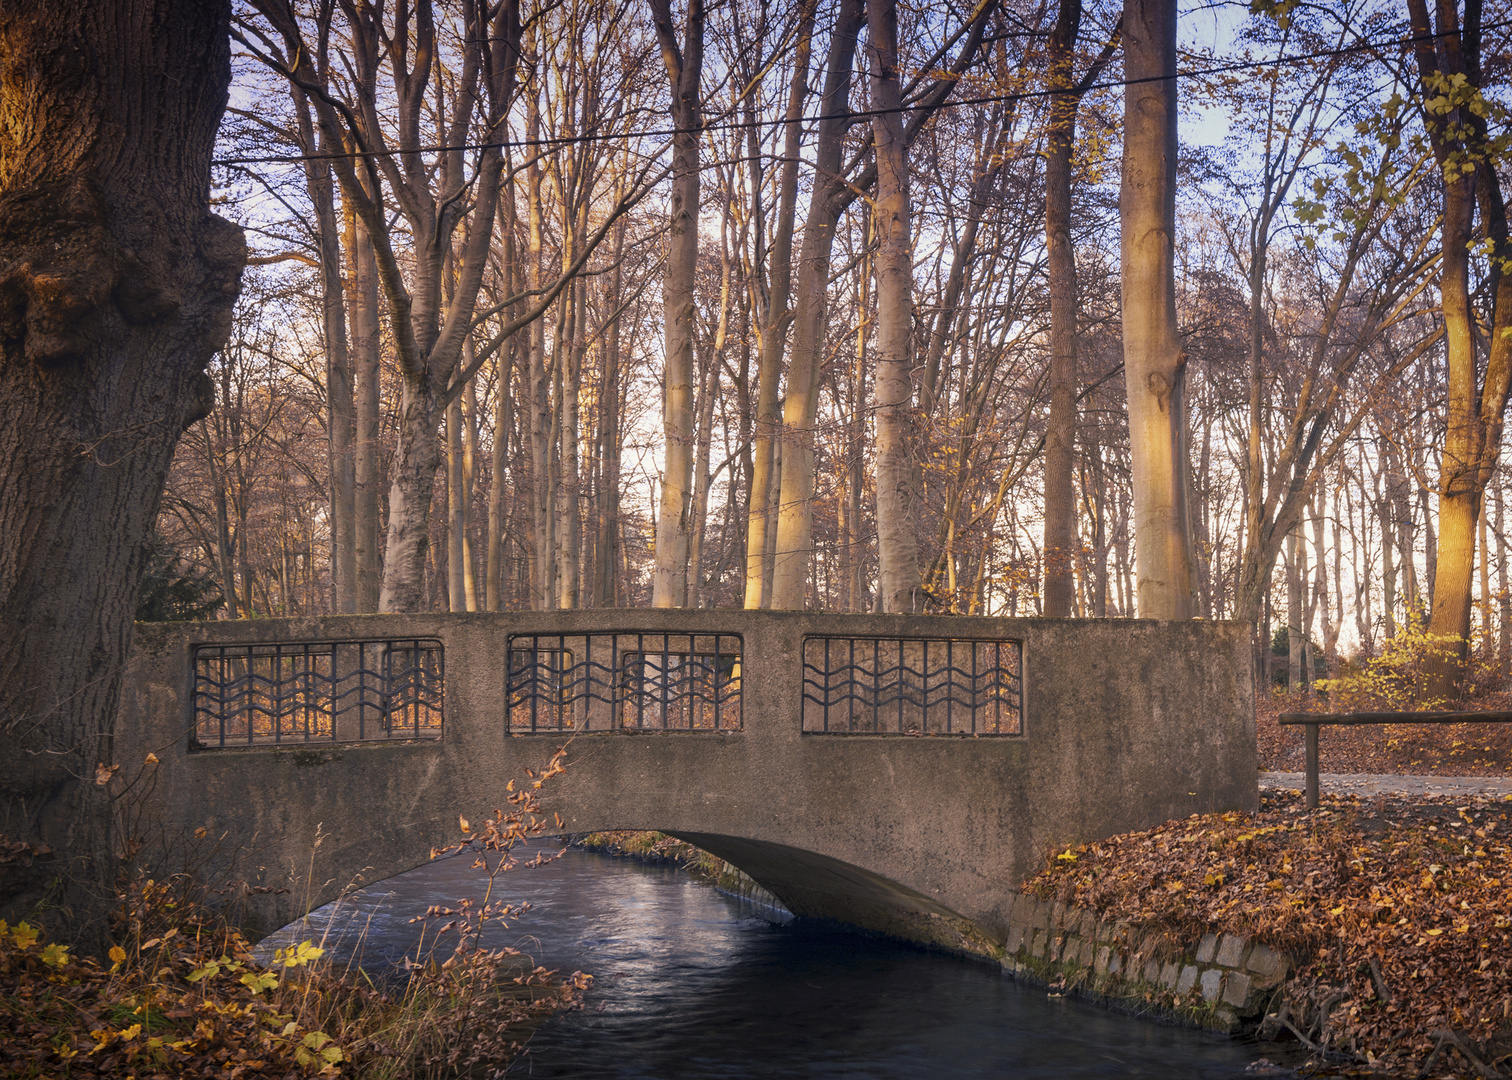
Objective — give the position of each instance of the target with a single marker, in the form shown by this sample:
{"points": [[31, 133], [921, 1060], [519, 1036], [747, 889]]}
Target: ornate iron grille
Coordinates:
{"points": [[911, 686], [624, 682], [327, 691]]}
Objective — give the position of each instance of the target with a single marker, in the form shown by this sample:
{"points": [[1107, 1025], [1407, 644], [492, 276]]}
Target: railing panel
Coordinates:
{"points": [[322, 691], [911, 686], [624, 682]]}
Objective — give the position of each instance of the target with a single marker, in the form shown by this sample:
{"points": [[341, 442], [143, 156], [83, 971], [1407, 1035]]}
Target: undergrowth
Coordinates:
{"points": [[181, 994]]}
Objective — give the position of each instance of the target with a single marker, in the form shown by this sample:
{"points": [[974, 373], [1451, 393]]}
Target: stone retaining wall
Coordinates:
{"points": [[1222, 982]]}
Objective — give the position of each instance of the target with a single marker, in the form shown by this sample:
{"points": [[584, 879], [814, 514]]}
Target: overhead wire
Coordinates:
{"points": [[857, 114]]}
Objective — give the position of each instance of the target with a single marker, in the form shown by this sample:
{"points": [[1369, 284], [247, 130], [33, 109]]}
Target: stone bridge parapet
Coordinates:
{"points": [[902, 773]]}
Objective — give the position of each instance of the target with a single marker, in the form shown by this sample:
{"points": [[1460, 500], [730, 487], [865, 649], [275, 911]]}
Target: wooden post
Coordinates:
{"points": [[1312, 766]]}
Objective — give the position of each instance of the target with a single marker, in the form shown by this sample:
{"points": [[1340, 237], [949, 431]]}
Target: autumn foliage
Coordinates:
{"points": [[182, 993], [1396, 912]]}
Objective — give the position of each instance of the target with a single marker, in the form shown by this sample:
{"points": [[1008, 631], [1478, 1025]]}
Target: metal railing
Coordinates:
{"points": [[1313, 721], [911, 686], [625, 682], [321, 691]]}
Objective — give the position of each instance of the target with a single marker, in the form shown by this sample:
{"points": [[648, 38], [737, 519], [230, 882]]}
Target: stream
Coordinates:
{"points": [[690, 982]]}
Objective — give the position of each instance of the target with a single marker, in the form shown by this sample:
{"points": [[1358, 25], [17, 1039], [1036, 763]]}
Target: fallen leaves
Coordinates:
{"points": [[1402, 924]]}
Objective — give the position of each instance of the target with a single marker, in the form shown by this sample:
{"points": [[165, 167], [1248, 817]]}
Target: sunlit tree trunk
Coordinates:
{"points": [[341, 412], [1154, 364], [897, 541], [762, 517], [1476, 400], [673, 519], [607, 546], [794, 539]]}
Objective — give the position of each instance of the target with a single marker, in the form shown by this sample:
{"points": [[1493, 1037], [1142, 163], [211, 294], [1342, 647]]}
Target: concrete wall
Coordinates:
{"points": [[1126, 724]]}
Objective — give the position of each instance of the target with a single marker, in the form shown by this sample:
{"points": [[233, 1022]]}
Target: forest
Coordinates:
{"points": [[833, 304]]}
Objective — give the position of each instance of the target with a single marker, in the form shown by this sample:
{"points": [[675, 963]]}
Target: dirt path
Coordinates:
{"points": [[1378, 784]]}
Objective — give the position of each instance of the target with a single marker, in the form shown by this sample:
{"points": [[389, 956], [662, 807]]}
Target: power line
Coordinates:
{"points": [[861, 114]]}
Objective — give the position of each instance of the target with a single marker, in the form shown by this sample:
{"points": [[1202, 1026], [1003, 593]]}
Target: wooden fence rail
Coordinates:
{"points": [[1313, 721]]}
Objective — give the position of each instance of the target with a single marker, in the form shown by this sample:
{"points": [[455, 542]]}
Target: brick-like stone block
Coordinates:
{"points": [[1015, 941], [1042, 912], [1267, 963], [1212, 984], [1037, 943], [1101, 960], [1207, 948], [1057, 915], [1236, 989], [1115, 964], [1169, 974], [1187, 979], [1231, 950], [1152, 972], [1025, 910]]}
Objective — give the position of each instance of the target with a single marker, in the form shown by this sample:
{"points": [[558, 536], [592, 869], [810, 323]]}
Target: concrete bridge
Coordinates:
{"points": [[900, 773]]}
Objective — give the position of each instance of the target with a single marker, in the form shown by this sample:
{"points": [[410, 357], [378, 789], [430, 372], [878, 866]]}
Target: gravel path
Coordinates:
{"points": [[1372, 784]]}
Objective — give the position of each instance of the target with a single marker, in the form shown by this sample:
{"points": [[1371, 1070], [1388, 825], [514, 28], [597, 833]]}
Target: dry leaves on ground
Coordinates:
{"points": [[1399, 911]]}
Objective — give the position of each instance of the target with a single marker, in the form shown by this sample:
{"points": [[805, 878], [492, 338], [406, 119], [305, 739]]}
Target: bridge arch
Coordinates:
{"points": [[901, 773]]}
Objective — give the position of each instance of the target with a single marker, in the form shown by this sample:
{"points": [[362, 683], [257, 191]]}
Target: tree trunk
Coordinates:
{"points": [[1060, 263], [1154, 364], [673, 520], [1477, 401], [761, 520], [414, 476], [897, 541], [341, 411], [116, 286], [794, 539]]}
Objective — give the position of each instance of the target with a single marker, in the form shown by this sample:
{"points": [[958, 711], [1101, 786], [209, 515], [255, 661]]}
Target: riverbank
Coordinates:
{"points": [[659, 848], [1381, 926], [182, 994]]}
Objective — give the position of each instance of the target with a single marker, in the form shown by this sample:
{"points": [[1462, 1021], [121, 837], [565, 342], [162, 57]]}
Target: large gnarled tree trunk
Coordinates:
{"points": [[116, 287]]}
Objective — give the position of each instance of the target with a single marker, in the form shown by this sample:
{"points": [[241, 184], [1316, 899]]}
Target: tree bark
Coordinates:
{"points": [[1154, 364], [673, 520], [1060, 263], [897, 541], [761, 519], [116, 287], [1477, 401]]}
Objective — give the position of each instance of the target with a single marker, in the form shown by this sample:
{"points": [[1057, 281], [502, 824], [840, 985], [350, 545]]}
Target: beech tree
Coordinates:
{"points": [[1154, 362], [116, 287], [674, 518]]}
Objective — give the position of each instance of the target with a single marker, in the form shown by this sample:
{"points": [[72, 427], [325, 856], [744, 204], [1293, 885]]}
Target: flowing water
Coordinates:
{"points": [[691, 983]]}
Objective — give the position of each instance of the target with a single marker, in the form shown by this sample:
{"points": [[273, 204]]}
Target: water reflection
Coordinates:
{"points": [[691, 983]]}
